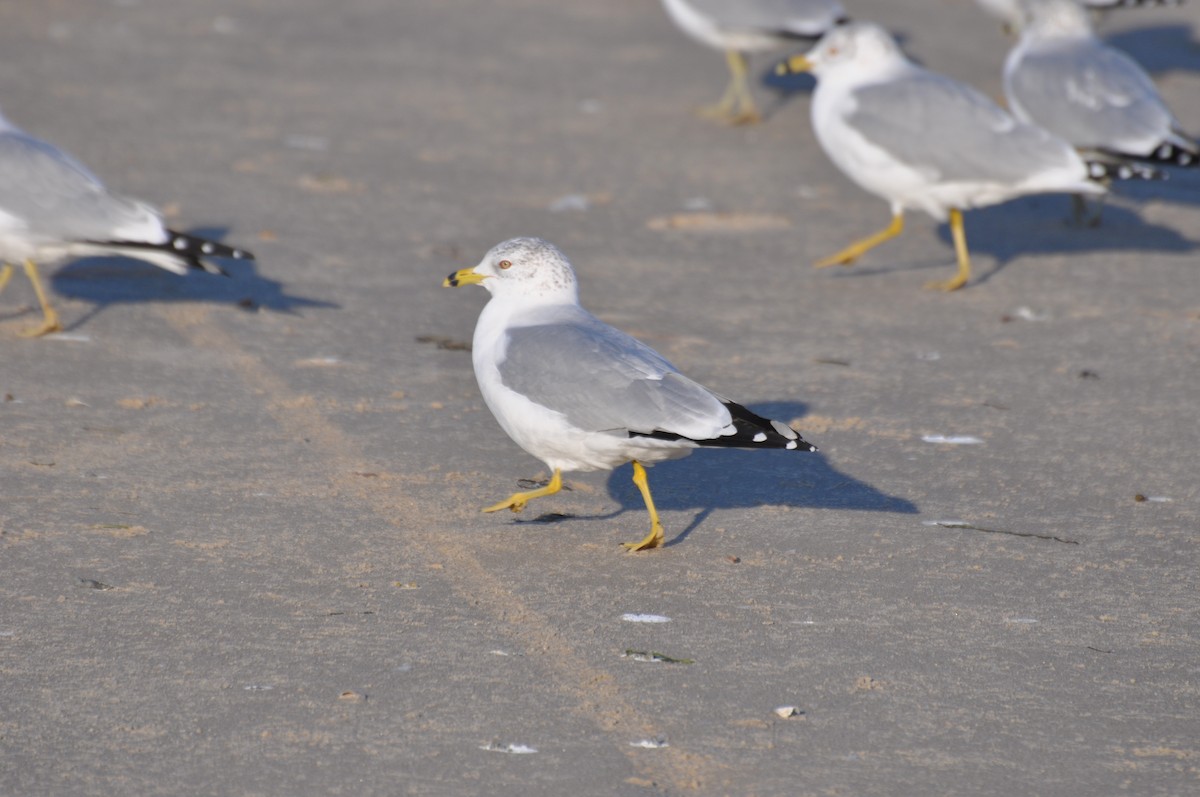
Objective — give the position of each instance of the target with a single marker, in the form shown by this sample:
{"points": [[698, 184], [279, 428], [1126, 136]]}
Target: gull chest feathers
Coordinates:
{"points": [[520, 376]]}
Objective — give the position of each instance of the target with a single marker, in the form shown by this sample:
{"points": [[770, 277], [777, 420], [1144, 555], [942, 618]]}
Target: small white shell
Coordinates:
{"points": [[952, 439], [630, 617], [508, 747]]}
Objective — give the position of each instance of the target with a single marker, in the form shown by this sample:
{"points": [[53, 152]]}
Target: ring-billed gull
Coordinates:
{"points": [[1061, 77], [52, 209], [1009, 11], [921, 140], [581, 395], [740, 26]]}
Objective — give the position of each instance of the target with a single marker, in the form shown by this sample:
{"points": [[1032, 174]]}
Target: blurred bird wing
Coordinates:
{"points": [[950, 132], [1092, 95], [49, 193]]}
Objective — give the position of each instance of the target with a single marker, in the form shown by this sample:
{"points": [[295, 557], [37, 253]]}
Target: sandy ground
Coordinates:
{"points": [[240, 545]]}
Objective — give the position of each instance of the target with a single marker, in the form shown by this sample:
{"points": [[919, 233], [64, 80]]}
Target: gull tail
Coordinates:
{"points": [[1106, 171], [750, 431], [1168, 153], [179, 248]]}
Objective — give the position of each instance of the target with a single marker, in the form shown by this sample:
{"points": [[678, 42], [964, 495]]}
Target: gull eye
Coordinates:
{"points": [[505, 264]]}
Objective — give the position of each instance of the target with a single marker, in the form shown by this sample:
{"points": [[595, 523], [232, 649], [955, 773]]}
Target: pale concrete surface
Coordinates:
{"points": [[304, 598]]}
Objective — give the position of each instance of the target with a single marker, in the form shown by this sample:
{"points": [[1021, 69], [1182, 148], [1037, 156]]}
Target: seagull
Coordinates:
{"points": [[53, 209], [1010, 10], [1061, 77], [922, 140], [581, 395], [741, 26]]}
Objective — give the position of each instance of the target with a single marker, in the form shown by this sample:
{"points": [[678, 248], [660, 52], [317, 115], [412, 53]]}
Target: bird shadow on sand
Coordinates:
{"points": [[712, 479], [1159, 49], [785, 86], [107, 281]]}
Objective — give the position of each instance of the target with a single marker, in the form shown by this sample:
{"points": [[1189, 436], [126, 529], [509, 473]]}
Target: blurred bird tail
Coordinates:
{"points": [[1170, 153], [180, 248], [1108, 170], [192, 250]]}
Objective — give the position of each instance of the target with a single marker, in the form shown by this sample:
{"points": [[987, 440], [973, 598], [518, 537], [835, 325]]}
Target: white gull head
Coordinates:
{"points": [[862, 46], [528, 269]]}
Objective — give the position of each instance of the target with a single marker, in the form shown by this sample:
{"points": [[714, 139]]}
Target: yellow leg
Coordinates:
{"points": [[855, 250], [50, 321], [655, 537], [736, 105], [960, 249], [516, 502]]}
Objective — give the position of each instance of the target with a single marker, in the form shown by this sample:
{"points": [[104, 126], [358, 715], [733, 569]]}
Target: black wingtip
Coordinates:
{"points": [[195, 251], [1108, 170], [750, 431], [755, 431], [190, 250], [1175, 155], [1168, 153], [191, 245]]}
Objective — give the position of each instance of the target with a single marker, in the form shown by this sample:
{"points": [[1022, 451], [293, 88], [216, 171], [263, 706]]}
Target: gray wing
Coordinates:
{"points": [[951, 132], [809, 18], [604, 380], [53, 195], [1091, 95]]}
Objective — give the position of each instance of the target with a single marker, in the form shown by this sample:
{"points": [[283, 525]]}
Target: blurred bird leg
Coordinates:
{"points": [[960, 249], [855, 250]]}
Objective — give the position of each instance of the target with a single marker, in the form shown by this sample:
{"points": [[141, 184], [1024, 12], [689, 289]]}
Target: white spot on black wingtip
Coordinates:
{"points": [[180, 243], [1149, 173], [761, 437], [785, 430], [791, 445], [1165, 152], [1101, 170], [207, 248]]}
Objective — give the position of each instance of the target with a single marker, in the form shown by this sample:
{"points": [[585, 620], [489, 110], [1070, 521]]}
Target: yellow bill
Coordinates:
{"points": [[794, 65], [464, 276]]}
